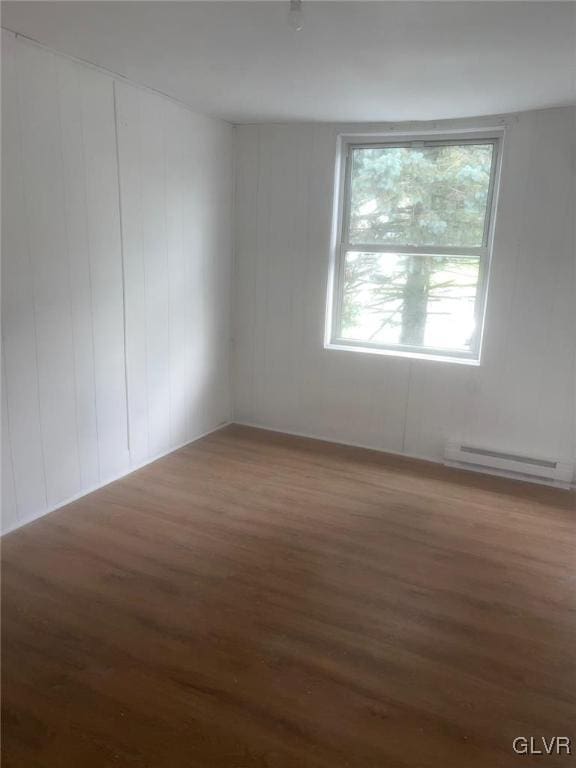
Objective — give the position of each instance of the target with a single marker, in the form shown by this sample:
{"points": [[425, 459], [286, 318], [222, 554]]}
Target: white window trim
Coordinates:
{"points": [[346, 142]]}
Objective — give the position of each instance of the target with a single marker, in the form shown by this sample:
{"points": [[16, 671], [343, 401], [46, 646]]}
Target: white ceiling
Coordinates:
{"points": [[352, 61]]}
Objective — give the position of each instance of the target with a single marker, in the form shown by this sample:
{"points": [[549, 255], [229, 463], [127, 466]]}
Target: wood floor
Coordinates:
{"points": [[263, 601]]}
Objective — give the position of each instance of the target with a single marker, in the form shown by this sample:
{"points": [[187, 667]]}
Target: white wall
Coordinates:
{"points": [[116, 261], [116, 266], [521, 398]]}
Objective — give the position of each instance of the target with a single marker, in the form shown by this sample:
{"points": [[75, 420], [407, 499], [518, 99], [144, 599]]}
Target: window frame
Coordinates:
{"points": [[341, 244]]}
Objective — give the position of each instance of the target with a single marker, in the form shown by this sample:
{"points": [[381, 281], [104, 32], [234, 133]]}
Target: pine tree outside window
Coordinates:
{"points": [[411, 263]]}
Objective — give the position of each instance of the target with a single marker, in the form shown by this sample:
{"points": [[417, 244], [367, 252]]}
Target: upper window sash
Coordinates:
{"points": [[397, 247]]}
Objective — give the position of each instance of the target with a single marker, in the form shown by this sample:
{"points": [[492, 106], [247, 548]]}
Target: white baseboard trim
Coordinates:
{"points": [[419, 457], [133, 468], [255, 425], [324, 439]]}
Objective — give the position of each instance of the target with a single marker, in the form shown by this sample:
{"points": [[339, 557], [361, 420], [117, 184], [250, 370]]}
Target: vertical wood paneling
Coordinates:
{"points": [[9, 506], [102, 205], [18, 323], [219, 272], [283, 376], [223, 153], [318, 407], [175, 181], [153, 196], [261, 277], [439, 404], [521, 396], [180, 330], [116, 267], [246, 149], [490, 419], [129, 154], [195, 244], [72, 144], [286, 232], [544, 311], [520, 393], [45, 221], [214, 148]]}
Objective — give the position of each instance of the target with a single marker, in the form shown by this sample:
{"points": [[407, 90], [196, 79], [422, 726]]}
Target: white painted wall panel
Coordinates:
{"points": [[155, 260], [246, 148], [179, 289], [102, 204], [116, 264], [211, 197], [69, 88], [130, 150], [116, 280], [9, 506], [23, 424], [45, 222], [194, 241], [176, 193], [521, 398]]}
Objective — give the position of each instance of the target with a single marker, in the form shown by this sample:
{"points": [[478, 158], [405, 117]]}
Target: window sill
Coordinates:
{"points": [[390, 352]]}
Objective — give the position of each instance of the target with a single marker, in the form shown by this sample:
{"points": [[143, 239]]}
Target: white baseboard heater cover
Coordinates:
{"points": [[490, 460]]}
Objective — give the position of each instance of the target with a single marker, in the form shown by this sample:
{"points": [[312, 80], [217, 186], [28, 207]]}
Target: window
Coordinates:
{"points": [[411, 263]]}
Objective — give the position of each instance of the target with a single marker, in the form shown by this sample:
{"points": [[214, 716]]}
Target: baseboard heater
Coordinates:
{"points": [[549, 471]]}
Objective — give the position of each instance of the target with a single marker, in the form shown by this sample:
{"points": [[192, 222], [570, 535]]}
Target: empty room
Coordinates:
{"points": [[288, 384]]}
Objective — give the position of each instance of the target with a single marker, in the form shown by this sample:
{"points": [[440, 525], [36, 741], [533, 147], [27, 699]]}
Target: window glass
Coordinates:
{"points": [[419, 196], [409, 300], [410, 271]]}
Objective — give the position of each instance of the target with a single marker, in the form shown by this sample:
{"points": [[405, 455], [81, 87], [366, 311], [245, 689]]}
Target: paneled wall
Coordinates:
{"points": [[176, 194], [521, 398], [116, 272], [116, 260]]}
